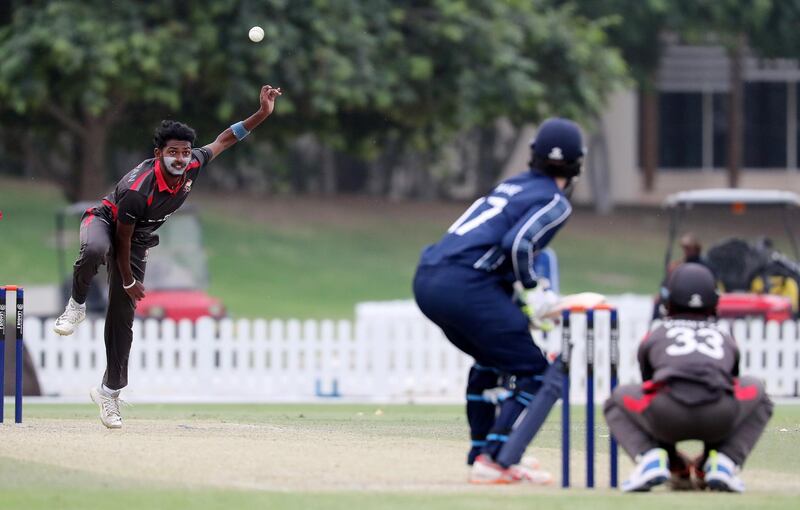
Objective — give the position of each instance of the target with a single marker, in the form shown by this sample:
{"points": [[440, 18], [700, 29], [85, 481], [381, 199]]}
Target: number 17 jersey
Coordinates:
{"points": [[501, 232]]}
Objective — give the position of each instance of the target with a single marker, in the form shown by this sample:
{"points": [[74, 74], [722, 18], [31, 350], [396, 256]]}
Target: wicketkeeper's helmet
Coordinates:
{"points": [[692, 287]]}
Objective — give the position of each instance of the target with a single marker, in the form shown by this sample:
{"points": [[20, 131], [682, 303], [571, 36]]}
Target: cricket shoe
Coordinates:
{"points": [[652, 468], [109, 407], [73, 315], [487, 472], [720, 473], [530, 462]]}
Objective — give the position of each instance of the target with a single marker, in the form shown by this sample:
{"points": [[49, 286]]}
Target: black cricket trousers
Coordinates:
{"points": [[97, 247]]}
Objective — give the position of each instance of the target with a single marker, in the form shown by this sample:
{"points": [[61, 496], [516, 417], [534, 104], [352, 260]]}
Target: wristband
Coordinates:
{"points": [[126, 287], [239, 130]]}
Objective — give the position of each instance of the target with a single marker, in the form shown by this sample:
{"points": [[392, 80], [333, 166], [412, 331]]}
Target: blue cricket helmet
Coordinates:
{"points": [[558, 148]]}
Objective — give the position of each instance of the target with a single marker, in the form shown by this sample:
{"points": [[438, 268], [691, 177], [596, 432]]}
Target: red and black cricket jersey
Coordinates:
{"points": [[143, 196], [696, 358]]}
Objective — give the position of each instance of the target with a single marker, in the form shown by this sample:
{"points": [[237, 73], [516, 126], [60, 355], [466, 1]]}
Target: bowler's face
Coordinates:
{"points": [[175, 155]]}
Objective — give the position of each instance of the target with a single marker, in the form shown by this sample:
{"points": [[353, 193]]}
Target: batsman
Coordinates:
{"points": [[466, 282]]}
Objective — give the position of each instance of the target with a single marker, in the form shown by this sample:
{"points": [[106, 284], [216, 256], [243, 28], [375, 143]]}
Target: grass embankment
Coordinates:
{"points": [[317, 257]]}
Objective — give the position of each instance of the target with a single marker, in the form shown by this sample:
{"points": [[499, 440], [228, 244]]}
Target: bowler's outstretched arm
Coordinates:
{"points": [[241, 129]]}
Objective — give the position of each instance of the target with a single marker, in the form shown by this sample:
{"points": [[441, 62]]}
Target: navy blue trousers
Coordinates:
{"points": [[475, 311]]}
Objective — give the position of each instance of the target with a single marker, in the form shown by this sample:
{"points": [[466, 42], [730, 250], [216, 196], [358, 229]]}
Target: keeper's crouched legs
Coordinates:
{"points": [[627, 424]]}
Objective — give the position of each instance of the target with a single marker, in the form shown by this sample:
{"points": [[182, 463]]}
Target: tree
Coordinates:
{"points": [[523, 61], [82, 67], [637, 29], [379, 81]]}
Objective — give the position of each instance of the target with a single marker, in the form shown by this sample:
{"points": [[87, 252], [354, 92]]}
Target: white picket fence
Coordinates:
{"points": [[389, 353]]}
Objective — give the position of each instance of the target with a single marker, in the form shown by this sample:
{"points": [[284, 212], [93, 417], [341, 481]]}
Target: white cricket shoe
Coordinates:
{"points": [[720, 473], [109, 408], [652, 468], [487, 472], [530, 462], [73, 315]]}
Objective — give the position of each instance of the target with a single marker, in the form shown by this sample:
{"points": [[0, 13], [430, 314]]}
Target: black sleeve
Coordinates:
{"points": [[736, 359], [644, 360], [203, 155], [131, 207]]}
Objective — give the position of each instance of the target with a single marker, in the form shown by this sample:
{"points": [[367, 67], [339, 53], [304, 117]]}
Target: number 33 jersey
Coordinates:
{"points": [[697, 359], [502, 231]]}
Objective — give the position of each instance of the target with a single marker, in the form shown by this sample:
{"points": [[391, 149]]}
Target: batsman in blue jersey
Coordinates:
{"points": [[466, 282]]}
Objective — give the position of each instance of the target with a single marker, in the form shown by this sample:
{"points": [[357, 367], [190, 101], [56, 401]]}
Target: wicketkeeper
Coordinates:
{"points": [[692, 390]]}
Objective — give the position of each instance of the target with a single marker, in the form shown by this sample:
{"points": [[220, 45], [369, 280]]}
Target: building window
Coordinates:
{"points": [[765, 125], [693, 128], [680, 129]]}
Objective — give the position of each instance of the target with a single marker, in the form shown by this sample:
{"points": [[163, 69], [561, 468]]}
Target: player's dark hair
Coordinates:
{"points": [[173, 130], [557, 168]]}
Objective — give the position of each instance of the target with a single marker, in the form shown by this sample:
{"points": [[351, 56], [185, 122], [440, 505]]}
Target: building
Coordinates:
{"points": [[693, 88]]}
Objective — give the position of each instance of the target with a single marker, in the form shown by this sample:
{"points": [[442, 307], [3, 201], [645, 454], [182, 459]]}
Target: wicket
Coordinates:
{"points": [[18, 351], [566, 348]]}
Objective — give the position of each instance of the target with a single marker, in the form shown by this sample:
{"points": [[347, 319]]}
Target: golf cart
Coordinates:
{"points": [[754, 277], [176, 276]]}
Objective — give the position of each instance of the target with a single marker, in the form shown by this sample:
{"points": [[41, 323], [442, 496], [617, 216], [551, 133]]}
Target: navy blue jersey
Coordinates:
{"points": [[501, 232]]}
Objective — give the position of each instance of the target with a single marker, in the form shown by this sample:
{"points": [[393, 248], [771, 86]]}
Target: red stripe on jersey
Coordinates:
{"points": [[113, 208], [650, 386], [745, 392], [88, 219], [162, 182], [150, 198], [138, 182], [638, 405]]}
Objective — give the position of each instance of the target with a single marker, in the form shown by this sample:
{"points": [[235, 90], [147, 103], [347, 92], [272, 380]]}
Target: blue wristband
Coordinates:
{"points": [[239, 130]]}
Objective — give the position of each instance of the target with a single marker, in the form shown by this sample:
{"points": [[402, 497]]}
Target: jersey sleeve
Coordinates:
{"points": [[531, 233], [203, 155], [736, 357], [131, 207], [643, 356]]}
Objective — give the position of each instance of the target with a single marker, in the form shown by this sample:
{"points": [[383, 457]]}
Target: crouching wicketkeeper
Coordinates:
{"points": [[691, 391]]}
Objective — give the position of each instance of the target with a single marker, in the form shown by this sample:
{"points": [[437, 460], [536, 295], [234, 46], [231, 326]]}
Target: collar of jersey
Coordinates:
{"points": [[162, 182]]}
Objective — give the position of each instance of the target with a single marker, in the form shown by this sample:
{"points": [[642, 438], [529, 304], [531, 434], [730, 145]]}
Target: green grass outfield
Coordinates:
{"points": [[316, 257], [35, 484]]}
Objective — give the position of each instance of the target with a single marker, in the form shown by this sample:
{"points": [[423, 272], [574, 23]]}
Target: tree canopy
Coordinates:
{"points": [[357, 74]]}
